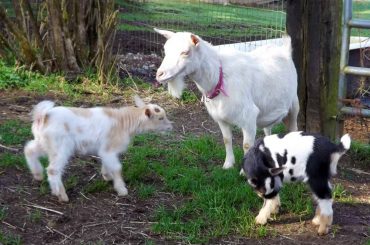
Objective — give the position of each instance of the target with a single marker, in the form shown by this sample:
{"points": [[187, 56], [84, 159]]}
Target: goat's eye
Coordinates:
{"points": [[185, 53], [161, 118]]}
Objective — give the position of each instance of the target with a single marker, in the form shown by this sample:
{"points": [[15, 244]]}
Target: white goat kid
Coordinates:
{"points": [[249, 90], [62, 131]]}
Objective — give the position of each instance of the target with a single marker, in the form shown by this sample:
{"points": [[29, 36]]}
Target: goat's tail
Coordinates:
{"points": [[345, 143], [40, 110], [342, 147]]}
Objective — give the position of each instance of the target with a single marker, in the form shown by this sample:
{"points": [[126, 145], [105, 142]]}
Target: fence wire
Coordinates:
{"points": [[216, 21]]}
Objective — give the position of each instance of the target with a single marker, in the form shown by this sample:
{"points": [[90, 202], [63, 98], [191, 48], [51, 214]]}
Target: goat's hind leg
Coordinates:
{"points": [[326, 215], [291, 121], [55, 172], [267, 130], [316, 218], [33, 151], [324, 211]]}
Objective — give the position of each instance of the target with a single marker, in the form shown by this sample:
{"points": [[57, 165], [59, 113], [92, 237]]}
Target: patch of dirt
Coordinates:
{"points": [[359, 128], [110, 219]]}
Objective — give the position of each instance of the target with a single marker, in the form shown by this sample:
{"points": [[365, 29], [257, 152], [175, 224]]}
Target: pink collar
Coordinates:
{"points": [[219, 87]]}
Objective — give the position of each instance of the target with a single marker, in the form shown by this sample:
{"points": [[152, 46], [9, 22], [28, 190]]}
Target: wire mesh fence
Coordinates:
{"points": [[216, 21]]}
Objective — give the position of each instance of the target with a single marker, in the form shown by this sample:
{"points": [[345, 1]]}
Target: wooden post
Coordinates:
{"points": [[315, 29]]}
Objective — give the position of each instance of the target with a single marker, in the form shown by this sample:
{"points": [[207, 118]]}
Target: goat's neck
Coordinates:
{"points": [[130, 118], [208, 73]]}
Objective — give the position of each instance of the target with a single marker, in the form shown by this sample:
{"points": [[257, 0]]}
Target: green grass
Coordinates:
{"points": [[9, 239], [341, 195], [188, 97], [14, 132], [18, 77], [145, 191], [361, 10], [209, 202], [3, 213], [8, 159], [367, 242], [229, 21], [204, 19], [44, 187], [14, 77], [212, 202], [98, 185], [35, 216], [360, 151], [71, 182]]}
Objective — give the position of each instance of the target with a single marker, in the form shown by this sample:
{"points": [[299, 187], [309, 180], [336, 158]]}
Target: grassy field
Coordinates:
{"points": [[231, 21], [211, 20], [207, 202], [361, 10], [204, 19], [215, 202]]}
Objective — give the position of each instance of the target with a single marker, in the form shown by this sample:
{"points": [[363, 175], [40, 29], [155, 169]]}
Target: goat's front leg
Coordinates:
{"points": [[111, 169], [270, 206], [249, 134], [228, 140], [107, 175]]}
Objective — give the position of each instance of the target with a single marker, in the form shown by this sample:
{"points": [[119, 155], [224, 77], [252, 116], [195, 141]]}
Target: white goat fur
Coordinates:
{"points": [[261, 85], [62, 131]]}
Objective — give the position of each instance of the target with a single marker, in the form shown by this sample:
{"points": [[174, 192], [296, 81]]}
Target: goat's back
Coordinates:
{"points": [[265, 78]]}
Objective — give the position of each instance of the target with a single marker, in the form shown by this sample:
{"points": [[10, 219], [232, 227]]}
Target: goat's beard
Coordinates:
{"points": [[176, 86]]}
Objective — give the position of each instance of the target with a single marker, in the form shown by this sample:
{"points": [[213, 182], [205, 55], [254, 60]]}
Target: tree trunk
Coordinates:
{"points": [[74, 35], [315, 29], [56, 37], [28, 55]]}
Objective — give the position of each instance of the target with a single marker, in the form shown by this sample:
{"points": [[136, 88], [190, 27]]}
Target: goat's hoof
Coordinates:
{"points": [[323, 230], [227, 165], [242, 173], [63, 197], [275, 210], [38, 176], [122, 192], [261, 220], [316, 220], [107, 177]]}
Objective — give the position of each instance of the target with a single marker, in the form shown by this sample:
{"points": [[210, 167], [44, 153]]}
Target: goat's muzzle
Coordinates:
{"points": [[159, 76]]}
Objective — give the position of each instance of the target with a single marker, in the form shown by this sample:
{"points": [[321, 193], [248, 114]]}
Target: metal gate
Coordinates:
{"points": [[345, 69]]}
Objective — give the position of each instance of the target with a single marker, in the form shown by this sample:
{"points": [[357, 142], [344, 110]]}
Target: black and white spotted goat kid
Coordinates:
{"points": [[297, 156]]}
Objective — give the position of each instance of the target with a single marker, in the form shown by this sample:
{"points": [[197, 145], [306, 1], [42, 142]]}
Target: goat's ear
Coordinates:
{"points": [[148, 113], [165, 33], [194, 39], [138, 101], [276, 171]]}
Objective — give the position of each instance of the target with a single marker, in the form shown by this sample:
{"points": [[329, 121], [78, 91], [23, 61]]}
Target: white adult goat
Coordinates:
{"points": [[249, 90]]}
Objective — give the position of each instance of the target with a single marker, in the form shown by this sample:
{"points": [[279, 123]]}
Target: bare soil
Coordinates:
{"points": [[115, 220]]}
